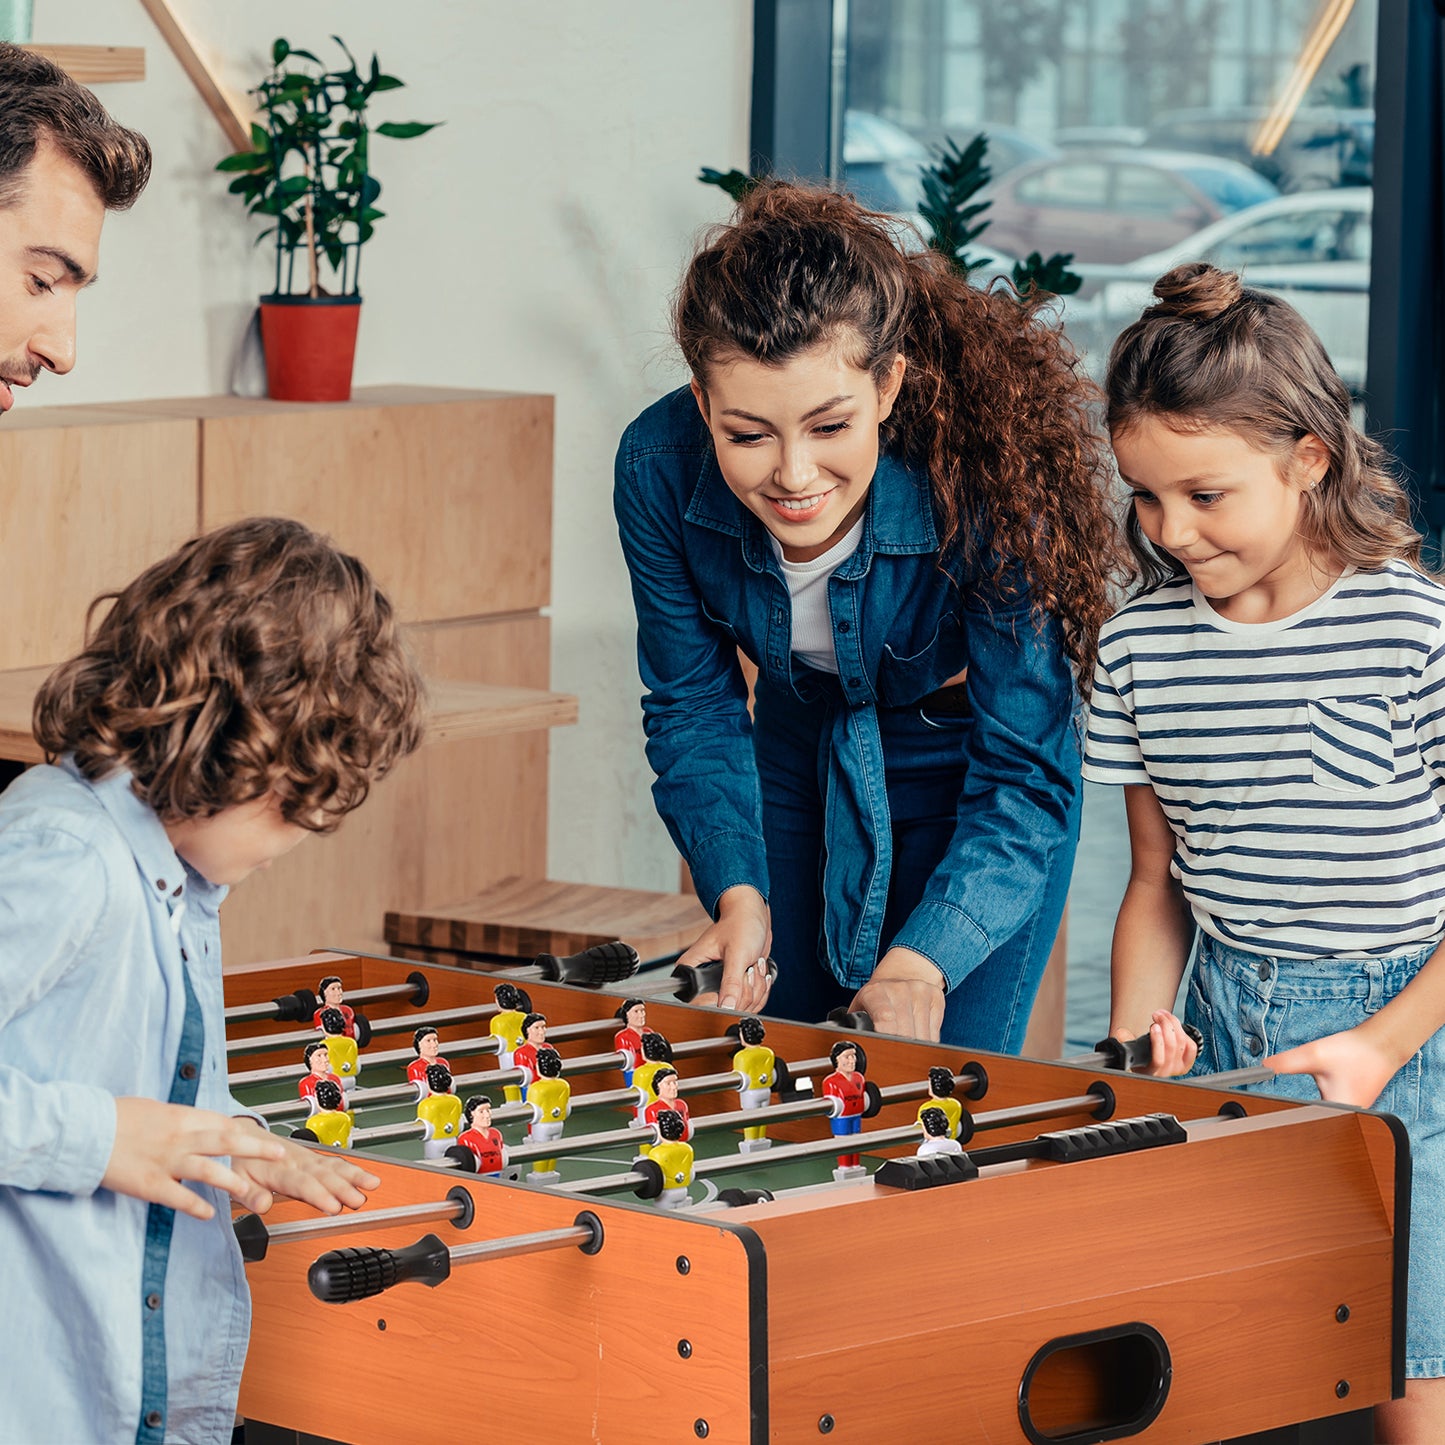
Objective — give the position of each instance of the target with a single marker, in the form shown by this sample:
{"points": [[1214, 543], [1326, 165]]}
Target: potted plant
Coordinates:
{"points": [[309, 168]]}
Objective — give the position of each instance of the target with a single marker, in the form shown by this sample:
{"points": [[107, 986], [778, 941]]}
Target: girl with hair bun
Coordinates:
{"points": [[1273, 701], [881, 487]]}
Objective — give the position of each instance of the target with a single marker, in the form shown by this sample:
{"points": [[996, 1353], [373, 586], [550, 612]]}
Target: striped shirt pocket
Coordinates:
{"points": [[1351, 745]]}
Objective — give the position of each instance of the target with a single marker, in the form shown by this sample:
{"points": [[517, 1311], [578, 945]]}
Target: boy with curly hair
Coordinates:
{"points": [[238, 695]]}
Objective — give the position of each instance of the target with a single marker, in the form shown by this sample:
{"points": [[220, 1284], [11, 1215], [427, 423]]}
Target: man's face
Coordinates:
{"points": [[49, 249], [332, 995], [320, 1061]]}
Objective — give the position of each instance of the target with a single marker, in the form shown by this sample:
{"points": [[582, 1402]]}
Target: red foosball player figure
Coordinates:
{"points": [[441, 1111], [331, 994], [506, 1027], [550, 1096], [318, 1067], [534, 1037], [427, 1043], [937, 1133], [845, 1086], [665, 1084], [656, 1055], [340, 1047], [941, 1086], [674, 1157], [332, 1121], [756, 1065], [628, 1039], [481, 1138]]}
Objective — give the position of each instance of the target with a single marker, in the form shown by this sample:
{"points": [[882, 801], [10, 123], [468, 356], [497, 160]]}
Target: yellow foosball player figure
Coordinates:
{"points": [[756, 1067], [656, 1055], [506, 1027], [941, 1086], [340, 1048], [332, 1122], [674, 1157], [441, 1112], [550, 1096]]}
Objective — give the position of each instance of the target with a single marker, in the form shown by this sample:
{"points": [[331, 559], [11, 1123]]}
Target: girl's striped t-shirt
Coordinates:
{"points": [[1300, 762]]}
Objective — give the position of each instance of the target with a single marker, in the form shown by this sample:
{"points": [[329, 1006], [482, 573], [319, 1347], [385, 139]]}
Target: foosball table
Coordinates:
{"points": [[1081, 1255]]}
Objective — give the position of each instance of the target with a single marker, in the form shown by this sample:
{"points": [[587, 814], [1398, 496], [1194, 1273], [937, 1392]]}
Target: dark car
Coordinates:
{"points": [[1115, 205]]}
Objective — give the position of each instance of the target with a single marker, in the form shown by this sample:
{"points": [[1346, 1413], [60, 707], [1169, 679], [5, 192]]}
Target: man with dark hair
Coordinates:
{"points": [[63, 164]]}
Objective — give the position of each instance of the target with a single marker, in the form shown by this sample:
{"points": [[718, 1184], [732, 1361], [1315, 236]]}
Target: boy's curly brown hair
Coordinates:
{"points": [[256, 659]]}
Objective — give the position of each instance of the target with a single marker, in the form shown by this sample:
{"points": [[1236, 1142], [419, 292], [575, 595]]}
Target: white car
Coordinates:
{"points": [[1310, 248]]}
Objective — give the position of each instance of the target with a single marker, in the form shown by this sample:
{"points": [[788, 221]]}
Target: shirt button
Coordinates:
{"points": [[153, 1301], [1255, 1044], [161, 884], [154, 1418], [855, 682], [1263, 970], [845, 626], [188, 1070]]}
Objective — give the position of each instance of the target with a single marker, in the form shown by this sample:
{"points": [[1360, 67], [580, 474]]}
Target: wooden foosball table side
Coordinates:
{"points": [[1245, 1280]]}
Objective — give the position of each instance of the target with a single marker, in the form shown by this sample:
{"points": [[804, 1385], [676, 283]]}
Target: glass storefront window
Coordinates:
{"points": [[1137, 134]]}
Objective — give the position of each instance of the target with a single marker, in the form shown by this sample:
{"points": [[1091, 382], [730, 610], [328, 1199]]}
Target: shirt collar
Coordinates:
{"points": [[898, 517], [165, 873]]}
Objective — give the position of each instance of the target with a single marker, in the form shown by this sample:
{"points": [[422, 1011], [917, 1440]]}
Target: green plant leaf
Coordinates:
{"points": [[405, 130], [735, 182], [1036, 276], [279, 51], [245, 161], [385, 82]]}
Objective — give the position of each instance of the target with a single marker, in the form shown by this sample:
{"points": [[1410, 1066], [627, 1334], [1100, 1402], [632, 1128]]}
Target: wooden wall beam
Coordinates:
{"points": [[231, 116]]}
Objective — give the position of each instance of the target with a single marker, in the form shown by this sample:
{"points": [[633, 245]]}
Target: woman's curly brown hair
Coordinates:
{"points": [[992, 405], [255, 659]]}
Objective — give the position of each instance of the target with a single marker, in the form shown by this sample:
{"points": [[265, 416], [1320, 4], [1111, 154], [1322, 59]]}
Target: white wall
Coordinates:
{"points": [[530, 244]]}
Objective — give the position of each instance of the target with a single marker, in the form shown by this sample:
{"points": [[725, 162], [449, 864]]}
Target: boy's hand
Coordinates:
{"points": [[904, 996], [1172, 1051], [323, 1178], [1347, 1066], [159, 1145]]}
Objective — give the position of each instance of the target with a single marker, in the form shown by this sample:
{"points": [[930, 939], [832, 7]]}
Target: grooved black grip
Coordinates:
{"points": [[298, 1007], [602, 963], [341, 1276], [860, 1021], [1125, 1054]]}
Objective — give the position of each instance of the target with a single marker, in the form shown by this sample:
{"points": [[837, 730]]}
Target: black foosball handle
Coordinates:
{"points": [[342, 1276], [695, 978], [298, 1007], [593, 967], [1130, 1055], [859, 1020]]}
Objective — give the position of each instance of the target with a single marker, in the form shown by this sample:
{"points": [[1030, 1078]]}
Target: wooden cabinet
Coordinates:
{"points": [[446, 495]]}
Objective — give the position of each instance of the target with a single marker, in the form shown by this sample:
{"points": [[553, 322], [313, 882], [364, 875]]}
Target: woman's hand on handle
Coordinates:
{"points": [[904, 996], [740, 939]]}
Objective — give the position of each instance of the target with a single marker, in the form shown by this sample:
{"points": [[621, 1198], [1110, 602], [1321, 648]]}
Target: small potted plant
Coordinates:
{"points": [[309, 168]]}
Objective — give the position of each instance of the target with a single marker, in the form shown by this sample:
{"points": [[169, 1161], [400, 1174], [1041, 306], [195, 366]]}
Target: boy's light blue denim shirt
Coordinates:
{"points": [[120, 1321], [706, 582]]}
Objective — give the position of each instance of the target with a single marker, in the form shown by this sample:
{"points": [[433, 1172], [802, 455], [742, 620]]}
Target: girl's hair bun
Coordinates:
{"points": [[1196, 292]]}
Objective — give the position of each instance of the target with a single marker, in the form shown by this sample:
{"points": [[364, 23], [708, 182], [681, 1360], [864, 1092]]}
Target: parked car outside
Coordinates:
{"points": [[882, 161], [1322, 146], [1112, 206], [1311, 248]]}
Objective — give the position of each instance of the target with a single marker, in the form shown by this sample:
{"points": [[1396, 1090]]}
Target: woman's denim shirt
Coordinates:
{"points": [[706, 582]]}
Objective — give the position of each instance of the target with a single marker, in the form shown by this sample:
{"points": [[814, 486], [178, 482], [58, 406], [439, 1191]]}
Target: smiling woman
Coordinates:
{"points": [[882, 489]]}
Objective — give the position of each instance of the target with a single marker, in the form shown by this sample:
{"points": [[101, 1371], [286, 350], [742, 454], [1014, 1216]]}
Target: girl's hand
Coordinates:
{"points": [[904, 996], [324, 1178], [159, 1145], [741, 938], [1348, 1067], [1172, 1051]]}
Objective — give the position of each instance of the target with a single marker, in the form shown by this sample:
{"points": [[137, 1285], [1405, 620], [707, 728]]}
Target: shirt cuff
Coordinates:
{"points": [[84, 1138], [947, 937], [724, 861]]}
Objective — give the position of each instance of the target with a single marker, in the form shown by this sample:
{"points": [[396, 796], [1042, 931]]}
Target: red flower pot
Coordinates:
{"points": [[310, 342]]}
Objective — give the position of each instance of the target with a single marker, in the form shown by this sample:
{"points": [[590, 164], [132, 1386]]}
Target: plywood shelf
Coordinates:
{"points": [[96, 64], [458, 710]]}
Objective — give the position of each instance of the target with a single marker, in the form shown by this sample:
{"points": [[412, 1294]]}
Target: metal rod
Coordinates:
{"points": [[247, 1011], [262, 1044], [516, 1244], [364, 1219]]}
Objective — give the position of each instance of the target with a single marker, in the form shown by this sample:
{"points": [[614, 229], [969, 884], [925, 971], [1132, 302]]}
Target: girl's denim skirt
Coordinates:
{"points": [[1250, 1005]]}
